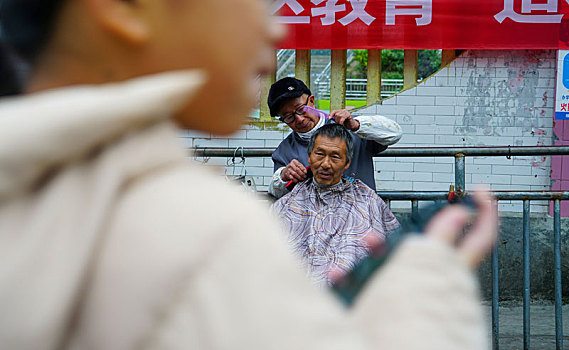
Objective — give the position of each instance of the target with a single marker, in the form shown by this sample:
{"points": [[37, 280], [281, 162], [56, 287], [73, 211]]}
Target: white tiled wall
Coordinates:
{"points": [[484, 98]]}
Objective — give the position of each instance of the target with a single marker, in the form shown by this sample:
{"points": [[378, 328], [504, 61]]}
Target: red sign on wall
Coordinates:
{"points": [[424, 24]]}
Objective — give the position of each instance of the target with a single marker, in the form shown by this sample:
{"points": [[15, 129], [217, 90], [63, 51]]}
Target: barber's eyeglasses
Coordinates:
{"points": [[289, 118]]}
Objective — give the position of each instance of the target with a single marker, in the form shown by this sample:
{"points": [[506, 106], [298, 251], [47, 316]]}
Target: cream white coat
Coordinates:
{"points": [[110, 238]]}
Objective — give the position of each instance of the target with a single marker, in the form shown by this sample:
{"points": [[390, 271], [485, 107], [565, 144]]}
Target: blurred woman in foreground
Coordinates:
{"points": [[109, 239]]}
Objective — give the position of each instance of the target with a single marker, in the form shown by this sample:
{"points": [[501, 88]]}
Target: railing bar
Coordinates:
{"points": [[529, 195], [558, 288], [495, 300], [410, 152], [474, 151], [435, 195], [403, 195], [526, 304], [499, 195]]}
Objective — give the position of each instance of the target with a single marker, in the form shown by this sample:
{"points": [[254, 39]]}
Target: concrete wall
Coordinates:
{"points": [[261, 169], [510, 260], [483, 98]]}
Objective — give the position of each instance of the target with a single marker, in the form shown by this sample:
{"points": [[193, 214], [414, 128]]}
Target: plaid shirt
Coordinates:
{"points": [[326, 225]]}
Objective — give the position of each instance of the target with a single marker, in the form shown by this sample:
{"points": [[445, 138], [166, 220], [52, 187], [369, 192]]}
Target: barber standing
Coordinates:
{"points": [[293, 103]]}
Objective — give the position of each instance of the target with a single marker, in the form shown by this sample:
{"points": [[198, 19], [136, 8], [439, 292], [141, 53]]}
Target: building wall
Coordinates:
{"points": [[483, 98]]}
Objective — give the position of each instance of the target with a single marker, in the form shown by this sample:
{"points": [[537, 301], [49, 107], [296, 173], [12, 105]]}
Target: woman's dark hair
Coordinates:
{"points": [[25, 28]]}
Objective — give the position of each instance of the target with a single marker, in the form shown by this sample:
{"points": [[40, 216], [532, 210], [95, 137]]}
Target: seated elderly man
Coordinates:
{"points": [[293, 103], [330, 217]]}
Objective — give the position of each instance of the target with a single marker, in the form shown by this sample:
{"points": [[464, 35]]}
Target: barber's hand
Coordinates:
{"points": [[294, 171], [479, 240], [344, 118]]}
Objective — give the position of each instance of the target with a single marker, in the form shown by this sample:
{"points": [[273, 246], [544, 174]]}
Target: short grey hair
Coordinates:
{"points": [[334, 131]]}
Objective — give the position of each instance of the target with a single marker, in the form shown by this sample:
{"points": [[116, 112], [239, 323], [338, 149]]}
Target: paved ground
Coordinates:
{"points": [[542, 326]]}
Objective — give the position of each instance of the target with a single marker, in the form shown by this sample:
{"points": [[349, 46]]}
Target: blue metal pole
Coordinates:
{"points": [[414, 207], [526, 275], [495, 300], [459, 175], [558, 291], [404, 151], [499, 195]]}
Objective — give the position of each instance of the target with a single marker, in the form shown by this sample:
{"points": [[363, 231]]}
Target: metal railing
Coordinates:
{"points": [[285, 58], [356, 89], [459, 154], [390, 87], [324, 75]]}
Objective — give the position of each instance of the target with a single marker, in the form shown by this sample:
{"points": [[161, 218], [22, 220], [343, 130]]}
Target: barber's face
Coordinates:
{"points": [[303, 122], [328, 160]]}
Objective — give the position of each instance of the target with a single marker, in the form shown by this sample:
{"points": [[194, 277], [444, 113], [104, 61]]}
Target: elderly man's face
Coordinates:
{"points": [[328, 160]]}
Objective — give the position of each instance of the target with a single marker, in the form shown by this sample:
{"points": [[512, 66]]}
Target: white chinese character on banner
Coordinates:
{"points": [[358, 11], [295, 7], [527, 7], [423, 8], [328, 11]]}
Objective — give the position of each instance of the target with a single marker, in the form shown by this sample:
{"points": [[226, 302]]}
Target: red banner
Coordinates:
{"points": [[424, 24]]}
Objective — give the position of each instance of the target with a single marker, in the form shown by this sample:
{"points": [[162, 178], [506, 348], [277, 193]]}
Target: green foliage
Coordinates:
{"points": [[358, 68], [392, 64], [429, 62]]}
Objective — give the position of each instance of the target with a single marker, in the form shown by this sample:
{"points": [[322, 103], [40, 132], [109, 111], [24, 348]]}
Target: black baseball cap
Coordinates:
{"points": [[284, 89]]}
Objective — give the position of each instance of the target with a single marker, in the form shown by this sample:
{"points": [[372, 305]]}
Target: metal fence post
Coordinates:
{"points": [[557, 255], [414, 207], [495, 300], [526, 243], [459, 176]]}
